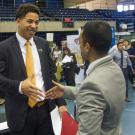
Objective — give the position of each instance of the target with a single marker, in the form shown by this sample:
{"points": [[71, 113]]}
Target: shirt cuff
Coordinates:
{"points": [[20, 90]]}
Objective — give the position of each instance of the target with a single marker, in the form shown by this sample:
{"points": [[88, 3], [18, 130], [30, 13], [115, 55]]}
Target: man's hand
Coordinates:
{"points": [[62, 109], [31, 90], [56, 92]]}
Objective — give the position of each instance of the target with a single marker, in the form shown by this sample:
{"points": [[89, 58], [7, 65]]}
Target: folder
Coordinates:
{"points": [[69, 125]]}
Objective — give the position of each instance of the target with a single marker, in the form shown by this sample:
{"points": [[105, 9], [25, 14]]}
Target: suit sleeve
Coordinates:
{"points": [[6, 84], [91, 105], [70, 92]]}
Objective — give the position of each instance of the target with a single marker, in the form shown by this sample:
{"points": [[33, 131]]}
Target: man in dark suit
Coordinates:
{"points": [[17, 85]]}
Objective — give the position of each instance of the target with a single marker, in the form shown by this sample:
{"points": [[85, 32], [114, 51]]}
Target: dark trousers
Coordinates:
{"points": [[125, 73], [38, 122], [69, 76]]}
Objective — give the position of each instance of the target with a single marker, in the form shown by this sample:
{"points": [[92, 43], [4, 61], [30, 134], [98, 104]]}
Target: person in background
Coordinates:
{"points": [[121, 57], [56, 53], [100, 97], [126, 45], [69, 64], [131, 53], [26, 71], [113, 48], [59, 68]]}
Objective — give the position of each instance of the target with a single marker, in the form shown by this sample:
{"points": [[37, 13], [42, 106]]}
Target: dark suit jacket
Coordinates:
{"points": [[12, 71]]}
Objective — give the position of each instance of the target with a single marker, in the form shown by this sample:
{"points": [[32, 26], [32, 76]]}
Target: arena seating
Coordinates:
{"points": [[8, 14]]}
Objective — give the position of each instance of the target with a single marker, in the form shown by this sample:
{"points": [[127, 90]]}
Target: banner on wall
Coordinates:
{"points": [[73, 43]]}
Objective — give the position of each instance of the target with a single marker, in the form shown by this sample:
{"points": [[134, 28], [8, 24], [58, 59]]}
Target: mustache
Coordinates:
{"points": [[34, 30]]}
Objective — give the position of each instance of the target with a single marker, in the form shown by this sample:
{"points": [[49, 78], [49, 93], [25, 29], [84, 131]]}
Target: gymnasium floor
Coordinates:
{"points": [[128, 117]]}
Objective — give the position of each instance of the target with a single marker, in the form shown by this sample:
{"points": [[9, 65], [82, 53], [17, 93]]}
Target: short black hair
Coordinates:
{"points": [[126, 40], [23, 9], [133, 44], [119, 43], [99, 35]]}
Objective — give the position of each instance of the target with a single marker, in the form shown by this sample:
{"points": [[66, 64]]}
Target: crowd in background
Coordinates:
{"points": [[68, 69], [123, 54]]}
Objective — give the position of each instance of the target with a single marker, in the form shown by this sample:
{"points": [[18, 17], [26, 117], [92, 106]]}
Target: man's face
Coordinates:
{"points": [[66, 52], [83, 47], [120, 46], [126, 45], [28, 25]]}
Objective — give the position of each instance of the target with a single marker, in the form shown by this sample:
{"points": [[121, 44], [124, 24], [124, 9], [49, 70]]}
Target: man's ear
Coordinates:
{"points": [[17, 20], [87, 47]]}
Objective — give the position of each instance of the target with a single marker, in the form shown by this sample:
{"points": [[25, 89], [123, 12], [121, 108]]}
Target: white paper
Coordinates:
{"points": [[66, 59], [49, 36], [56, 121], [3, 125]]}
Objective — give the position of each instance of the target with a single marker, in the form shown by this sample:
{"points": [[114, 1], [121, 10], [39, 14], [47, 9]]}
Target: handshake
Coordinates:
{"points": [[33, 92], [56, 92]]}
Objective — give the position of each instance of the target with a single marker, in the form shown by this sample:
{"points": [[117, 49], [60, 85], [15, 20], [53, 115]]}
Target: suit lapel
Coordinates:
{"points": [[100, 63], [41, 53], [19, 56]]}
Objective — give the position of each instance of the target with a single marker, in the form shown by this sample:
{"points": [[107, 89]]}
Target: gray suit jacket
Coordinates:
{"points": [[100, 99]]}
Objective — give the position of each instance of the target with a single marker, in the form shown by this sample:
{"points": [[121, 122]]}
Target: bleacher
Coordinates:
{"points": [[8, 14], [85, 14], [115, 15]]}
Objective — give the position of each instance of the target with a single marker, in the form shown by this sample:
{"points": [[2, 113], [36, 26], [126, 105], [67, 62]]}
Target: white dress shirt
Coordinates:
{"points": [[37, 65]]}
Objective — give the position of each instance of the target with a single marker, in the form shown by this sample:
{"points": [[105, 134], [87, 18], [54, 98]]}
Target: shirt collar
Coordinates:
{"points": [[22, 40], [94, 63]]}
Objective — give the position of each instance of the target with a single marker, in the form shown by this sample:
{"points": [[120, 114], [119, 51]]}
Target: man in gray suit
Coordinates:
{"points": [[100, 97]]}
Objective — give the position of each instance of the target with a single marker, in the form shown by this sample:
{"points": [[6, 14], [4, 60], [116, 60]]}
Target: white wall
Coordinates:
{"points": [[74, 3], [46, 26], [91, 5]]}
